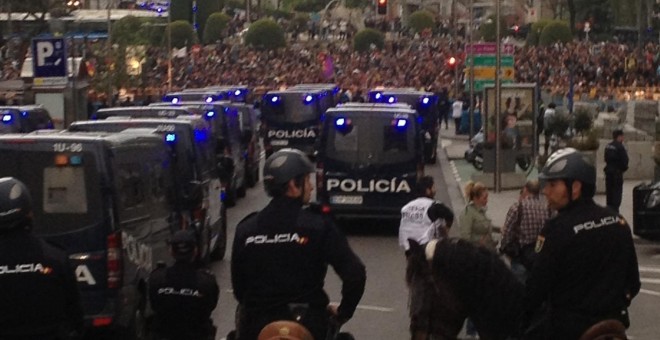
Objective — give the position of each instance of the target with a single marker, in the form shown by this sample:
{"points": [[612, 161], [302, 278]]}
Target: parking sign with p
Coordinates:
{"points": [[49, 57]]}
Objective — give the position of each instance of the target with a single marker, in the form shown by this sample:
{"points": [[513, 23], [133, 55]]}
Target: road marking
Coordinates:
{"points": [[376, 308], [646, 269], [649, 292], [651, 281]]}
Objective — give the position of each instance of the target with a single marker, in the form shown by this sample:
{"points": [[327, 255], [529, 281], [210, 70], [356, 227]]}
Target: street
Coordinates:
{"points": [[382, 313]]}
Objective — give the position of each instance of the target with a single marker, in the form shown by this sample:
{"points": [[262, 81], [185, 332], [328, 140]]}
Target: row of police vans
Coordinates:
{"points": [[112, 190]]}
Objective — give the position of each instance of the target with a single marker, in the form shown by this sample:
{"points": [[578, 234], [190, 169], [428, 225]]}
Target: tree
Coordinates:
{"points": [[487, 29], [182, 34], [421, 20], [266, 34], [366, 38], [181, 10], [215, 27], [535, 32], [555, 31], [125, 31], [205, 8]]}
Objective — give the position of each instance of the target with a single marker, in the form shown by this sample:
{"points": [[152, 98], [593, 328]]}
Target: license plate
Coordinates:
{"points": [[339, 199], [279, 142]]}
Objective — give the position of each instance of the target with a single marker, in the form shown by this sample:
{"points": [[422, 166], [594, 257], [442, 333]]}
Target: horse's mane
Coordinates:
{"points": [[488, 289]]}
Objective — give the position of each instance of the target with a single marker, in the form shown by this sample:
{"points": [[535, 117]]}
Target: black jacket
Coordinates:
{"points": [[281, 256], [586, 264], [616, 157], [183, 298], [38, 290]]}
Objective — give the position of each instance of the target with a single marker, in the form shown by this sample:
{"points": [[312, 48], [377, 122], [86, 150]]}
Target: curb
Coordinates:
{"points": [[453, 181]]}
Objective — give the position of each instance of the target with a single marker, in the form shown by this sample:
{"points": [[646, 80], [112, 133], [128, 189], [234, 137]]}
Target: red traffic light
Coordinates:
{"points": [[382, 6], [451, 61]]}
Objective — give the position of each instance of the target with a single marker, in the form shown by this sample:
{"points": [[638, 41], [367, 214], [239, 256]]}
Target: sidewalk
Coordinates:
{"points": [[454, 147]]}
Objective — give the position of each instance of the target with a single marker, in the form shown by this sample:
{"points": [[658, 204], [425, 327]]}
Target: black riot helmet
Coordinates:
{"points": [[570, 165], [282, 166], [15, 203]]}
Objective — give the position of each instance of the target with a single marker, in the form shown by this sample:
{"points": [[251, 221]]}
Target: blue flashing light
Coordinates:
{"points": [[309, 98], [209, 99], [75, 160], [274, 99], [401, 123], [340, 122], [378, 95], [426, 100], [175, 100], [237, 93], [170, 138], [210, 114], [420, 119], [7, 119], [24, 113], [200, 136], [391, 99]]}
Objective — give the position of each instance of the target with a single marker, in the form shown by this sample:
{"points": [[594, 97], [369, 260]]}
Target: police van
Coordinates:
{"points": [[426, 104], [237, 162], [197, 191], [291, 119], [369, 159], [107, 200], [23, 119], [195, 95], [234, 93], [329, 96]]}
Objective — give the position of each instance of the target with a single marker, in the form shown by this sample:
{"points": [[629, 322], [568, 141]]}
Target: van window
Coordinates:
{"points": [[293, 110], [64, 198], [64, 192], [371, 140], [131, 187]]}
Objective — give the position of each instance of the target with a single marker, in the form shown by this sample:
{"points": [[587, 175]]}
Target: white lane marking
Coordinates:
{"points": [[646, 269], [651, 281], [649, 292]]}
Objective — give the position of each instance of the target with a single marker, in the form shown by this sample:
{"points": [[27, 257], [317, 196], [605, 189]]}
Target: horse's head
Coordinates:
{"points": [[420, 257]]}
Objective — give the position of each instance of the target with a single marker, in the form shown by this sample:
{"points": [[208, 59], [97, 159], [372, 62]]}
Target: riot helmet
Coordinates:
{"points": [[283, 166], [15, 203], [570, 165], [183, 244]]}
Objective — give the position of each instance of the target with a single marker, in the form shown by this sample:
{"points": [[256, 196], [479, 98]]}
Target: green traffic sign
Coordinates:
{"points": [[490, 60], [479, 84]]}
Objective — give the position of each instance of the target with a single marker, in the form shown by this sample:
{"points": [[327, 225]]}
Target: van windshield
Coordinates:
{"points": [[371, 140], [65, 197], [291, 109]]}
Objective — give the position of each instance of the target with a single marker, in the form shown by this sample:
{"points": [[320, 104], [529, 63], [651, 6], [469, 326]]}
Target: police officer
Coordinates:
{"points": [[281, 254], [616, 160], [422, 220], [586, 270], [39, 296], [183, 296]]}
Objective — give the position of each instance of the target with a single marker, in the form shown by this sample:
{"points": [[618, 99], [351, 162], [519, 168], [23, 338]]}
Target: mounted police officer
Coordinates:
{"points": [[39, 296], [616, 160], [281, 254], [586, 270], [183, 296]]}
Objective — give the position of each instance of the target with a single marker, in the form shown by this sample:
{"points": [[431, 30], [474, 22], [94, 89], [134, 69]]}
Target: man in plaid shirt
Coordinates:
{"points": [[522, 225]]}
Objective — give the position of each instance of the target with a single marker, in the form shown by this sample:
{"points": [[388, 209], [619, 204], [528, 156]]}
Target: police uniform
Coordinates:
{"points": [[183, 298], [280, 256], [422, 220], [616, 159], [586, 269], [39, 296]]}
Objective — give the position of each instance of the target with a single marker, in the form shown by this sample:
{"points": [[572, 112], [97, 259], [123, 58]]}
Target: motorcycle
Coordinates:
{"points": [[475, 154]]}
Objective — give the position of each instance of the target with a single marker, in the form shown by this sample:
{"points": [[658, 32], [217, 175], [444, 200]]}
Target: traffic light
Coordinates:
{"points": [[451, 62], [382, 6]]}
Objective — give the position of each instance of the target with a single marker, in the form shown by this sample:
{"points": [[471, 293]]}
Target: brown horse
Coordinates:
{"points": [[470, 281]]}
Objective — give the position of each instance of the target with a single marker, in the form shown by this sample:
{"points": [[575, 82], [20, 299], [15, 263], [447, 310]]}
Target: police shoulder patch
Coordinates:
{"points": [[540, 240]]}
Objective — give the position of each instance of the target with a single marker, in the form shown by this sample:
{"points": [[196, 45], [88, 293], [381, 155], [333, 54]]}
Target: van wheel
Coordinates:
{"points": [[241, 191], [221, 245], [230, 198]]}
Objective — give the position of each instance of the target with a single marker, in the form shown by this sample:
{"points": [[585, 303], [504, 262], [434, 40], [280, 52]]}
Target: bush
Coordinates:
{"points": [[300, 21], [182, 34], [125, 30], [535, 31], [366, 37], [206, 8], [421, 20], [265, 33], [555, 31], [586, 142], [558, 125], [215, 27]]}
